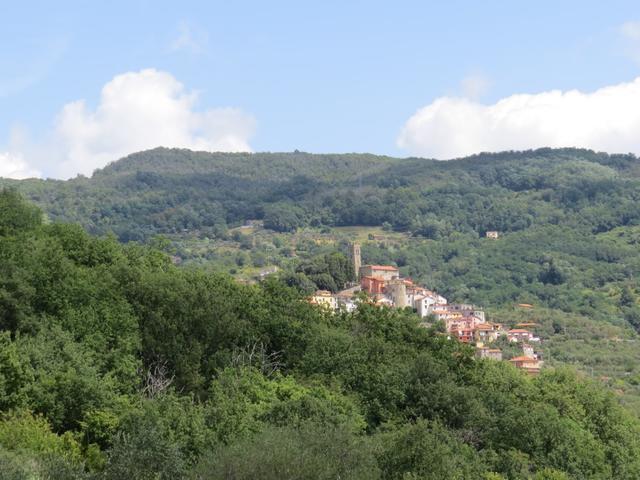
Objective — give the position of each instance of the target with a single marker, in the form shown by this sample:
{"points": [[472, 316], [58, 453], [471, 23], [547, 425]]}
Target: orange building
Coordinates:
{"points": [[529, 364], [386, 272], [521, 335], [372, 285]]}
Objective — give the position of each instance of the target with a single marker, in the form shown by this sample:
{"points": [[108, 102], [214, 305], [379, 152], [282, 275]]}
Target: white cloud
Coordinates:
{"points": [[14, 166], [607, 119], [137, 111]]}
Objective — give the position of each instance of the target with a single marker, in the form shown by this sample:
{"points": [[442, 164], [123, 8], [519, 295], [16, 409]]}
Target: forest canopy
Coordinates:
{"points": [[114, 363]]}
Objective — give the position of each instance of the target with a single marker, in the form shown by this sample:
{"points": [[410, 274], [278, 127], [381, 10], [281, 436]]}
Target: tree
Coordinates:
{"points": [[16, 214], [285, 453]]}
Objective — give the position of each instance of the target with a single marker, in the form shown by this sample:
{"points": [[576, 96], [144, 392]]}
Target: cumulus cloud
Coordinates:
{"points": [[606, 119], [137, 111], [14, 166]]}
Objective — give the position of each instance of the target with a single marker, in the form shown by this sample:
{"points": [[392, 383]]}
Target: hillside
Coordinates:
{"points": [[569, 223], [165, 191], [116, 364]]}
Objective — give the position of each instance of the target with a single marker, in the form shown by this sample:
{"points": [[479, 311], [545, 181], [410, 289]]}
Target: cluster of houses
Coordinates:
{"points": [[384, 286]]}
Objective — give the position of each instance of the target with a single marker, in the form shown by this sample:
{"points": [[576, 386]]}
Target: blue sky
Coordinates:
{"points": [[316, 76]]}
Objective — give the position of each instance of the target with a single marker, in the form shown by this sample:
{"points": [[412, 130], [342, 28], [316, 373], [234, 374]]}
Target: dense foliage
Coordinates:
{"points": [[569, 223], [116, 364], [165, 191]]}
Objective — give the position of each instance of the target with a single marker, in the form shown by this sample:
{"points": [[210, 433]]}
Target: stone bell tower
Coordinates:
{"points": [[356, 260]]}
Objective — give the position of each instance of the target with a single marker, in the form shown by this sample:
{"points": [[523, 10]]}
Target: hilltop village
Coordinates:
{"points": [[382, 285]]}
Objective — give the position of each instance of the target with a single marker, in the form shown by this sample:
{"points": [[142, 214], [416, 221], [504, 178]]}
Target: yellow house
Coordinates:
{"points": [[324, 298]]}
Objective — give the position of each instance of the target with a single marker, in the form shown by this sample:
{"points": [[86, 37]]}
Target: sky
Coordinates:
{"points": [[85, 83]]}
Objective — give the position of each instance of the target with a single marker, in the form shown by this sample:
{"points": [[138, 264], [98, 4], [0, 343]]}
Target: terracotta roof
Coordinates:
{"points": [[524, 359], [484, 326], [388, 268]]}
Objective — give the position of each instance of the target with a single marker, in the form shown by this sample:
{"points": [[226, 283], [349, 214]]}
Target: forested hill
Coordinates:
{"points": [[569, 223], [116, 364], [168, 191]]}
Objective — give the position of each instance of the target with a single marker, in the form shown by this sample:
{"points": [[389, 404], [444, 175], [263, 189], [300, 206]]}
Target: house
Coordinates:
{"points": [[382, 301], [463, 332], [424, 300], [421, 303], [446, 315], [486, 333], [385, 272], [324, 298], [521, 335], [490, 353], [372, 285], [347, 299], [527, 351], [529, 364], [265, 272], [462, 327], [492, 234], [467, 310], [434, 298]]}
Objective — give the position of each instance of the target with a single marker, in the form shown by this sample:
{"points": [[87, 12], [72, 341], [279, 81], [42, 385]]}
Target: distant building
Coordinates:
{"points": [[372, 285], [527, 351], [252, 224], [528, 364], [356, 259], [486, 333], [324, 298], [467, 310], [347, 299], [422, 303], [386, 272], [464, 333], [265, 272], [382, 301], [490, 353], [492, 234], [521, 335], [397, 290]]}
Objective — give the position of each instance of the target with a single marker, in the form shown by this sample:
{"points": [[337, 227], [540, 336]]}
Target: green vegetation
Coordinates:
{"points": [[117, 364], [569, 223], [168, 191]]}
